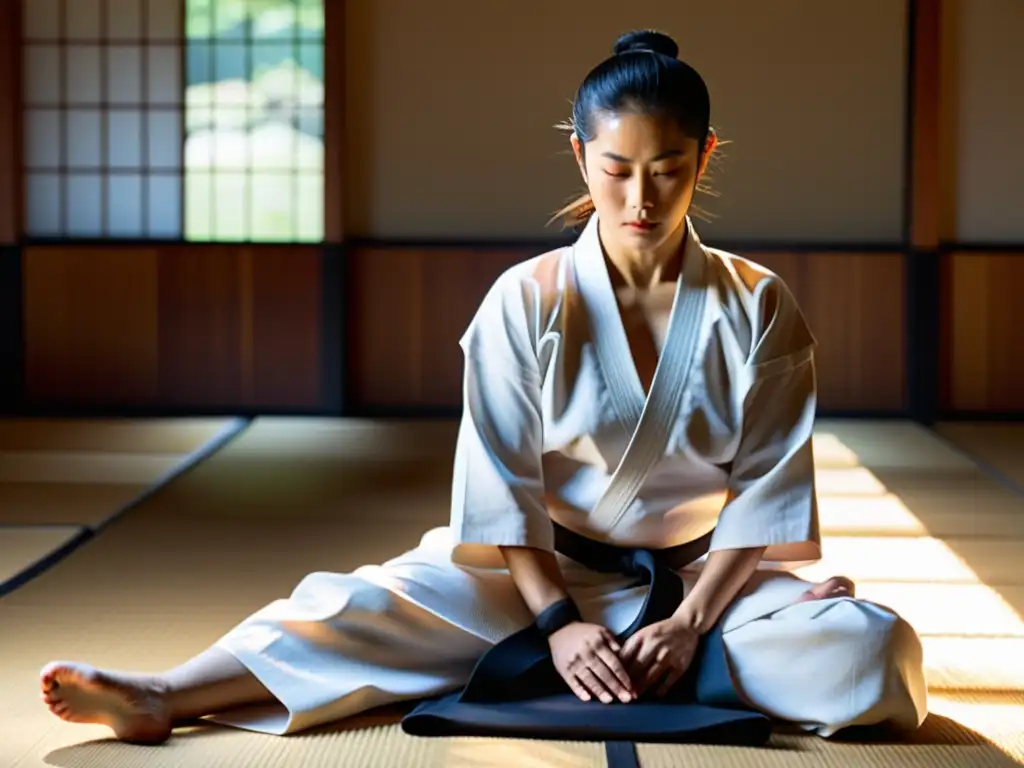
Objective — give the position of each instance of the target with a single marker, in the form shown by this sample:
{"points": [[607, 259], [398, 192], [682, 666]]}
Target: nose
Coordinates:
{"points": [[639, 192]]}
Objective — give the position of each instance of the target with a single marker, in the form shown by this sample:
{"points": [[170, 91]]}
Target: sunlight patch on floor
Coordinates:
{"points": [[972, 633]]}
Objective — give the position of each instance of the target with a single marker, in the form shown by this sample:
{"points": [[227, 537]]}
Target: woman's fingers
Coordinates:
{"points": [[594, 685], [613, 674], [579, 689]]}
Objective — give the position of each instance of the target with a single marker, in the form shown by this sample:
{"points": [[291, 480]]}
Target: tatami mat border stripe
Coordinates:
{"points": [[986, 467], [223, 437]]}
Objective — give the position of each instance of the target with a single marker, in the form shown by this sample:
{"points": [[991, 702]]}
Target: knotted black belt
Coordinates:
{"points": [[515, 691]]}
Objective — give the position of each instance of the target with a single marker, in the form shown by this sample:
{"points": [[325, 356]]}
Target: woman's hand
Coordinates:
{"points": [[586, 656], [660, 651]]}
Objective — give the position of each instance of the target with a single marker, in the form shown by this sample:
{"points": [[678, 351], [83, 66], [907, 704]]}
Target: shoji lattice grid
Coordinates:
{"points": [[103, 118]]}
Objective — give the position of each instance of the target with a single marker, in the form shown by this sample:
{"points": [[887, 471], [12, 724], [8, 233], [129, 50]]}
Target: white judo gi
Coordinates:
{"points": [[552, 401]]}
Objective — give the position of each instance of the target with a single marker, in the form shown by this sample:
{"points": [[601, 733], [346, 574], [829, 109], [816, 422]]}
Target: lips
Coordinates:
{"points": [[642, 226]]}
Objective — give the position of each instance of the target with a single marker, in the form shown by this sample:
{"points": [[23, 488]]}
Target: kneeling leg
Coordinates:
{"points": [[831, 664]]}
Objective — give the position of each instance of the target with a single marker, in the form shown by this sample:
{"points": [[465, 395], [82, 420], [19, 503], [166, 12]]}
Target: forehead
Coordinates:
{"points": [[628, 129]]}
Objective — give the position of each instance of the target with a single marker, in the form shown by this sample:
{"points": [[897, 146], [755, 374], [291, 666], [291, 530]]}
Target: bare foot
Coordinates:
{"points": [[134, 706], [837, 586]]}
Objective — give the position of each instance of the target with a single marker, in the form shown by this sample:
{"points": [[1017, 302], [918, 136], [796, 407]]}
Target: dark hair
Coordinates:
{"points": [[643, 75]]}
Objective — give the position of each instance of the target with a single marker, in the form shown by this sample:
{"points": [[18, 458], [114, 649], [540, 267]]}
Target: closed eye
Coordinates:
{"points": [[626, 174]]}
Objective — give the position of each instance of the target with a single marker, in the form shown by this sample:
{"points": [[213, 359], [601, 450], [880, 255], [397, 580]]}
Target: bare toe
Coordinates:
{"points": [[837, 586], [134, 708]]}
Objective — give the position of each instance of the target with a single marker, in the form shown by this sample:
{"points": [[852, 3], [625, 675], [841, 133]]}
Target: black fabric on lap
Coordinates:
{"points": [[514, 691]]}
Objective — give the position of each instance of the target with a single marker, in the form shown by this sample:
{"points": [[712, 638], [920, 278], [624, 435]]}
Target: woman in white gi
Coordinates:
{"points": [[637, 387]]}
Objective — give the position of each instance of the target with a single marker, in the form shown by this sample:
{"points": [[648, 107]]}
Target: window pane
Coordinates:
{"points": [[84, 134], [164, 72], [274, 147], [124, 139], [254, 108], [43, 145], [124, 206], [124, 19], [165, 206], [199, 151], [230, 63], [82, 74], [42, 75], [229, 20], [311, 21], [309, 208], [310, 84], [272, 214], [309, 154], [165, 139], [42, 204], [275, 64], [199, 56], [85, 205], [199, 206], [124, 74], [82, 19], [231, 140], [230, 205], [164, 18], [41, 19]]}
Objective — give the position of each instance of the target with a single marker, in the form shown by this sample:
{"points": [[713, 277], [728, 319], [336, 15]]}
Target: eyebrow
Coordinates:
{"points": [[664, 155]]}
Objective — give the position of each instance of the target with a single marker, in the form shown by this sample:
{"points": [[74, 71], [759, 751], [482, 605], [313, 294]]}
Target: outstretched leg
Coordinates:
{"points": [[141, 708]]}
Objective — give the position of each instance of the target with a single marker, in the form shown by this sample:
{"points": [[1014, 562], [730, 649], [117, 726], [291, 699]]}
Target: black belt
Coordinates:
{"points": [[515, 691]]}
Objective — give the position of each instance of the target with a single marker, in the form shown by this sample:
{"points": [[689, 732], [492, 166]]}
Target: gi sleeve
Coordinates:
{"points": [[498, 479], [772, 498]]}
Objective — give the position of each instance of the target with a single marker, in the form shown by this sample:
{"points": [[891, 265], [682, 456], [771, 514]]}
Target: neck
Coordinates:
{"points": [[644, 269]]}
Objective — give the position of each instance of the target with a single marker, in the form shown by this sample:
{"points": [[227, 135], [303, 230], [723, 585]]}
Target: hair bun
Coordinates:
{"points": [[646, 40]]}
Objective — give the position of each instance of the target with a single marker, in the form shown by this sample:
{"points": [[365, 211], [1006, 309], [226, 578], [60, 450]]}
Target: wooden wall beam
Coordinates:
{"points": [[10, 121], [922, 307], [334, 120], [925, 196], [10, 205]]}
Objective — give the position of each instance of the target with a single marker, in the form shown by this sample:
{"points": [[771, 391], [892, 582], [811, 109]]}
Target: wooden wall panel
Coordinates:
{"points": [[411, 306], [200, 329], [854, 304], [91, 320], [286, 328], [985, 332], [205, 327]]}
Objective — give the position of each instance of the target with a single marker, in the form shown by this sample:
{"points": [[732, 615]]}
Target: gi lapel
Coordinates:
{"points": [[649, 420]]}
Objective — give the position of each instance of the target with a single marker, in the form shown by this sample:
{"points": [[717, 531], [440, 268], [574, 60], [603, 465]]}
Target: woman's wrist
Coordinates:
{"points": [[557, 616], [723, 576], [691, 617]]}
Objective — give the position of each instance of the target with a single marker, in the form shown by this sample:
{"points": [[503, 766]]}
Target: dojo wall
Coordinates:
{"points": [[898, 236], [811, 97], [980, 211]]}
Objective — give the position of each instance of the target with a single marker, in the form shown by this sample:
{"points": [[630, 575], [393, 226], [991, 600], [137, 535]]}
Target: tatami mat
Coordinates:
{"points": [[85, 467], [290, 496], [89, 504], [82, 471], [23, 547], [1000, 446], [56, 473], [176, 435]]}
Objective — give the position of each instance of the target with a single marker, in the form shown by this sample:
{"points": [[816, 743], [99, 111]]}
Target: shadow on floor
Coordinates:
{"points": [[940, 742]]}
